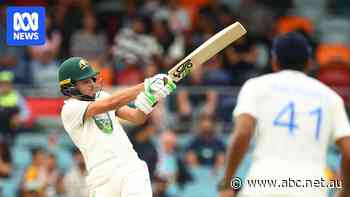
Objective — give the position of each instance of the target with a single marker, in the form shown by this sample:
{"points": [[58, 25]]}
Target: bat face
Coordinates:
{"points": [[207, 50]]}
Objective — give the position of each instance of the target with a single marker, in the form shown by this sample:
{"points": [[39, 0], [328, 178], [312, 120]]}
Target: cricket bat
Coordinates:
{"points": [[206, 50]]}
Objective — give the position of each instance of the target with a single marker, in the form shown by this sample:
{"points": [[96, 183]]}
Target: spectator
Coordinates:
{"points": [[172, 44], [171, 172], [160, 186], [178, 18], [68, 15], [240, 60], [88, 42], [74, 180], [131, 9], [206, 148], [43, 58], [12, 58], [207, 19], [33, 183], [134, 42], [53, 177], [149, 7], [13, 109], [216, 75], [141, 138], [214, 72], [42, 178], [5, 160], [44, 67], [225, 16], [261, 20], [191, 103], [207, 24], [129, 73], [52, 41], [167, 166]]}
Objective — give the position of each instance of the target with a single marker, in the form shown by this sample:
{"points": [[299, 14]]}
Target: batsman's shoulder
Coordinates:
{"points": [[67, 106], [72, 105]]}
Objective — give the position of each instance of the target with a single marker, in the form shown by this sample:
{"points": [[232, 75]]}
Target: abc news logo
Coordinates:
{"points": [[25, 26], [29, 29]]}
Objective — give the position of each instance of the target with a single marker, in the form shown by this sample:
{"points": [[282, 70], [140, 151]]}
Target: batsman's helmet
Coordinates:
{"points": [[72, 70]]}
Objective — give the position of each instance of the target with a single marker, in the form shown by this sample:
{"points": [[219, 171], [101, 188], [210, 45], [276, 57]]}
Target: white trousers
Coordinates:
{"points": [[121, 182]]}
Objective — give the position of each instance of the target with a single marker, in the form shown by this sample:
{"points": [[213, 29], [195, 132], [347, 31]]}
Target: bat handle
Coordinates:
{"points": [[165, 80], [174, 79]]}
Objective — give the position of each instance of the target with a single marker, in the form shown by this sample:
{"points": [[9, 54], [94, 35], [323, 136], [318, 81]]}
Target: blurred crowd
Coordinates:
{"points": [[130, 40]]}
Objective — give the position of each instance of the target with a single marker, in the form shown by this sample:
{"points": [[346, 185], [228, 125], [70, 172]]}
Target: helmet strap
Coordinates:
{"points": [[84, 97], [71, 90]]}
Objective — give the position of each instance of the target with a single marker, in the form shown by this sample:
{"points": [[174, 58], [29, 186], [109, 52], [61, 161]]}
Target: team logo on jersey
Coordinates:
{"points": [[83, 64], [25, 25], [104, 122]]}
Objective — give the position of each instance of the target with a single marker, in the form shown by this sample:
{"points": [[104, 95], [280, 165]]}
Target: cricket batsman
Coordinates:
{"points": [[89, 117], [293, 118]]}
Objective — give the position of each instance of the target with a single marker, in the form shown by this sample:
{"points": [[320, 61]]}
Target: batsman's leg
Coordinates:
{"points": [[137, 184]]}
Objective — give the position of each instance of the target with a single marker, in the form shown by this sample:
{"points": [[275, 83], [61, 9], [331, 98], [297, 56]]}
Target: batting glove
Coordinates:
{"points": [[160, 85], [145, 102]]}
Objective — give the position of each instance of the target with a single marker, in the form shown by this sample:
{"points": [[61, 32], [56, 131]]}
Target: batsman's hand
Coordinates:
{"points": [[145, 102], [160, 85]]}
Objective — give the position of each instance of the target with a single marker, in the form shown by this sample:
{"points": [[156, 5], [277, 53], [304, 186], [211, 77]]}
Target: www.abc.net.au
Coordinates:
{"points": [[237, 183]]}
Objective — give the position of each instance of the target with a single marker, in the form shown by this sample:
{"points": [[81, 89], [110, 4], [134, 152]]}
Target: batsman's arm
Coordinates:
{"points": [[161, 85], [239, 144], [133, 115], [115, 101], [344, 147]]}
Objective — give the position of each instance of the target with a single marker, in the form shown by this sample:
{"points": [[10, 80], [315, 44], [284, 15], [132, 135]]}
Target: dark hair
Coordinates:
{"points": [[291, 51], [37, 150], [75, 151], [244, 44], [5, 153]]}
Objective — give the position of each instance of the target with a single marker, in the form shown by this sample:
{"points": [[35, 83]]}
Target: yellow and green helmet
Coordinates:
{"points": [[72, 70]]}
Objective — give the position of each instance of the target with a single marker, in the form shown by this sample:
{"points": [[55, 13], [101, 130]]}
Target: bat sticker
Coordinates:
{"points": [[184, 69]]}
